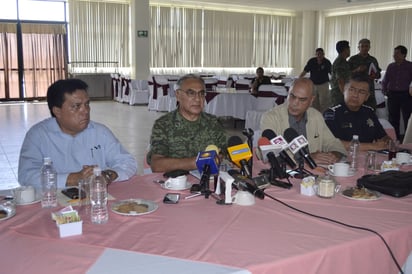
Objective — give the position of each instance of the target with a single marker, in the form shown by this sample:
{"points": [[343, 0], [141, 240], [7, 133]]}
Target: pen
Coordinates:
{"points": [[194, 195]]}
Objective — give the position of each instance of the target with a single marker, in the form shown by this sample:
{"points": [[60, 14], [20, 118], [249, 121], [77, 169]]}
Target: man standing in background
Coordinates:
{"points": [[319, 68], [340, 72], [365, 63], [395, 85]]}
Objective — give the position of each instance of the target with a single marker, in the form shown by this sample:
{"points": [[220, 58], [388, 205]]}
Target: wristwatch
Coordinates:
{"points": [[110, 175]]}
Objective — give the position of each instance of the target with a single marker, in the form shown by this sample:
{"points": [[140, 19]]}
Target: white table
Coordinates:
{"points": [[231, 104]]}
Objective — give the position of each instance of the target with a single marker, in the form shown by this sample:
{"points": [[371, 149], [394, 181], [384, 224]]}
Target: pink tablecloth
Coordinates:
{"points": [[265, 238]]}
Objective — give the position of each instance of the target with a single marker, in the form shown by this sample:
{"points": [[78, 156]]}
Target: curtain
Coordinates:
{"points": [[186, 37], [273, 43], [43, 59], [176, 37], [44, 54], [385, 29], [228, 39], [9, 78], [99, 35]]}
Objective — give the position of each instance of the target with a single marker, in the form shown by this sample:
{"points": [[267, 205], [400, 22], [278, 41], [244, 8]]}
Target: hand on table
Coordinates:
{"points": [[325, 158], [73, 178]]}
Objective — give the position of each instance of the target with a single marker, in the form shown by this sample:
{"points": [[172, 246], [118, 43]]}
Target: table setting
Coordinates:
{"points": [[247, 235]]}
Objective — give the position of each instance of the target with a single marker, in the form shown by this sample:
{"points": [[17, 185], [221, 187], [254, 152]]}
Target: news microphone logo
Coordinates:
{"points": [[298, 143]]}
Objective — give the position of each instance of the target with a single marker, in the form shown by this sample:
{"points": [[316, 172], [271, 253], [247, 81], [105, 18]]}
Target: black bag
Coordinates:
{"points": [[393, 183]]}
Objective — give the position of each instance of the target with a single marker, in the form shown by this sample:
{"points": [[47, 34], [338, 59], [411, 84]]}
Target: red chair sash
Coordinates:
{"points": [[279, 99], [210, 96]]}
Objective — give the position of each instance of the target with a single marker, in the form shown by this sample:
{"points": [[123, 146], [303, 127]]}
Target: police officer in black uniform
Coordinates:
{"points": [[352, 117]]}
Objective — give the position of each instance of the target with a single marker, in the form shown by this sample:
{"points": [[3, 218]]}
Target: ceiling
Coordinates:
{"points": [[294, 5]]}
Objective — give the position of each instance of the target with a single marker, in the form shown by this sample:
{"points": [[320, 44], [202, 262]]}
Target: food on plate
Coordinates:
{"points": [[131, 207], [362, 193]]}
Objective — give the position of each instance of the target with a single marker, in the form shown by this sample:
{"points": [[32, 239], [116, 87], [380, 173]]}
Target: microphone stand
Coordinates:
{"points": [[300, 169], [248, 132], [204, 182]]}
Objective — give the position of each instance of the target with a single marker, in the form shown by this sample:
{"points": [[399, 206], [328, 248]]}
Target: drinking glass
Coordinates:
{"points": [[370, 163]]}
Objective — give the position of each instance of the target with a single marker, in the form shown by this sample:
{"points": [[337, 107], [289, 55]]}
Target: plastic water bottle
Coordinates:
{"points": [[353, 153], [48, 179], [98, 197]]}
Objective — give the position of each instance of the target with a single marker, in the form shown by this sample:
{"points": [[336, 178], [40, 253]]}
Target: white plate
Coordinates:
{"points": [[10, 212], [347, 193], [151, 206], [187, 186], [36, 200], [350, 173]]}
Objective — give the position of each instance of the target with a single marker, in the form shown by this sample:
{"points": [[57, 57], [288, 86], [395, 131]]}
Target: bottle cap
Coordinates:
{"points": [[97, 170], [47, 160]]}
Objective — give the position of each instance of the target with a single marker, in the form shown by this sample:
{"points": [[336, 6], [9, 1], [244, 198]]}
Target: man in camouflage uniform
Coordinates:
{"points": [[340, 72], [365, 63], [178, 136]]}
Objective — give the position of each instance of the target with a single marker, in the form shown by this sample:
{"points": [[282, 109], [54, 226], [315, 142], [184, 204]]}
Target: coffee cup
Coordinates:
{"points": [[339, 169], [243, 198], [24, 194], [178, 182], [403, 158]]}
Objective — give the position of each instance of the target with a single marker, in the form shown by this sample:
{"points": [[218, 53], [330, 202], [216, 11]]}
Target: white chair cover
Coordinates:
{"points": [[172, 95], [139, 92], [407, 139], [162, 101]]}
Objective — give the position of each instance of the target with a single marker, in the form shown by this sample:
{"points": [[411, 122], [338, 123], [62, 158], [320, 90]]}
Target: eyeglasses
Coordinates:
{"points": [[358, 91], [192, 93]]}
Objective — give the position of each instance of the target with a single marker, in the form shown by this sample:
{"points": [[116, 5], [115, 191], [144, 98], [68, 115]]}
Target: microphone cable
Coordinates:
{"points": [[343, 224]]}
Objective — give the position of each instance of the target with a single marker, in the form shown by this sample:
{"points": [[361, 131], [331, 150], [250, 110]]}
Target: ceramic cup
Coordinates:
{"points": [[403, 158], [339, 169], [243, 198], [176, 183], [24, 194]]}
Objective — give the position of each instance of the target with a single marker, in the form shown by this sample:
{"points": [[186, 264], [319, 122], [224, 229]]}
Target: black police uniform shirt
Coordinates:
{"points": [[345, 123]]}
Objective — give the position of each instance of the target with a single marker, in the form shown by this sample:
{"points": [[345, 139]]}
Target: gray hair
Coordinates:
{"points": [[186, 77]]}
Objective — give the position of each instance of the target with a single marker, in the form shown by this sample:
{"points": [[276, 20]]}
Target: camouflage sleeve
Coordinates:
{"points": [[220, 136], [158, 140], [342, 71]]}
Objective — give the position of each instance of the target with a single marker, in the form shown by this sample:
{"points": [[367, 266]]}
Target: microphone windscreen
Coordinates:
{"points": [[290, 134], [234, 141], [268, 133], [263, 141], [212, 148]]}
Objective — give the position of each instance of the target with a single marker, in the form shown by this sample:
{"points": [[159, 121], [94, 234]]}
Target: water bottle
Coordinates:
{"points": [[353, 153], [48, 178], [98, 197]]}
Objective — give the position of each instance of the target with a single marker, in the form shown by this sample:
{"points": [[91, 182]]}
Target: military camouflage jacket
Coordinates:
{"points": [[174, 136]]}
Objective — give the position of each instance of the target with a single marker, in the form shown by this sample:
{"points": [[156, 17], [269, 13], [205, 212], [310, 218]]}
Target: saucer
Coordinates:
{"points": [[36, 200], [350, 173], [187, 186]]}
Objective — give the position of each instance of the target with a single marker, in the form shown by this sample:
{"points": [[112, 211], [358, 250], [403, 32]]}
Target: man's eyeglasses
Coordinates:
{"points": [[192, 93], [358, 91]]}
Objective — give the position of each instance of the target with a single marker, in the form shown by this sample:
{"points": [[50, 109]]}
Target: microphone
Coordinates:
{"points": [[239, 154], [268, 152], [244, 183], [207, 163], [271, 135], [298, 143]]}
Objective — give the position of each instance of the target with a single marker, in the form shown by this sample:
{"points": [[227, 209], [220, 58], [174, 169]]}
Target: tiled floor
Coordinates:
{"points": [[131, 125]]}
